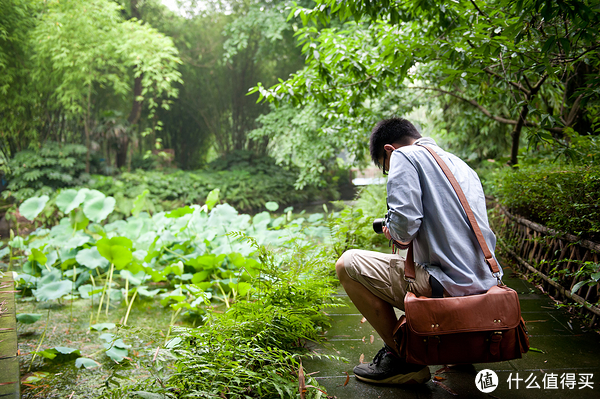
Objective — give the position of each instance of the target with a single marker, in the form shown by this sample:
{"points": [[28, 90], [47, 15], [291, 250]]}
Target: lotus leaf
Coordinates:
{"points": [[59, 353], [88, 291], [53, 290], [86, 362], [103, 326], [32, 207], [91, 258], [70, 199], [134, 279], [17, 243], [98, 208], [38, 256], [116, 250], [272, 206], [143, 291], [28, 318]]}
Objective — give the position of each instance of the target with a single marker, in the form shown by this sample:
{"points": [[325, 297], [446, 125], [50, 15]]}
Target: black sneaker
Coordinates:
{"points": [[387, 368]]}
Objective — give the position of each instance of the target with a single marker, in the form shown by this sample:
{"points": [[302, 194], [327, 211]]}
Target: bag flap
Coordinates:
{"points": [[496, 310]]}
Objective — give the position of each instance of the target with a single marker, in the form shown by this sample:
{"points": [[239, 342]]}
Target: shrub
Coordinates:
{"points": [[42, 171], [246, 190], [563, 197]]}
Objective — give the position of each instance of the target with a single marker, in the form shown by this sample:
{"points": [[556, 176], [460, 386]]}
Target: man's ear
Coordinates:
{"points": [[389, 147]]}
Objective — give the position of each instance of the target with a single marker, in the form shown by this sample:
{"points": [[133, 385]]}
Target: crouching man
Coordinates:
{"points": [[425, 210]]}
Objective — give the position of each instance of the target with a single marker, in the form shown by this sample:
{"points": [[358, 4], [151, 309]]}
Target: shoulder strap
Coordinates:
{"points": [[409, 269]]}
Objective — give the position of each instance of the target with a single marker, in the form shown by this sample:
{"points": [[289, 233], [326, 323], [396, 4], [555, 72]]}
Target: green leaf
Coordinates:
{"points": [[88, 291], [179, 212], [28, 318], [139, 203], [70, 199], [38, 256], [103, 326], [53, 290], [243, 288], [577, 286], [98, 208], [36, 377], [32, 207], [148, 395], [59, 353], [272, 206], [213, 198], [91, 258], [134, 279], [116, 250], [176, 268], [116, 349], [86, 363], [78, 219], [143, 291]]}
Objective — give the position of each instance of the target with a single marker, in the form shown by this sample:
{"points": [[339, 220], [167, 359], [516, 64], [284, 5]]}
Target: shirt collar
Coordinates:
{"points": [[425, 141]]}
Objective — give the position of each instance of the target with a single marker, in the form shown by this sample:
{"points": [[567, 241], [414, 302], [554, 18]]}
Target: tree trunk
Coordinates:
{"points": [[136, 108], [516, 133], [86, 128]]}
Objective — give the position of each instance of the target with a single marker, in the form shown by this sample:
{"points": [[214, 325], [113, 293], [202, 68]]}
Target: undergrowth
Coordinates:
{"points": [[563, 197], [254, 349]]}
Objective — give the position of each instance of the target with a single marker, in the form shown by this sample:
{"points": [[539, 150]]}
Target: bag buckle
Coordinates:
{"points": [[498, 279]]}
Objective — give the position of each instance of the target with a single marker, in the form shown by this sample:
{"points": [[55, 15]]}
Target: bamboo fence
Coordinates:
{"points": [[552, 256]]}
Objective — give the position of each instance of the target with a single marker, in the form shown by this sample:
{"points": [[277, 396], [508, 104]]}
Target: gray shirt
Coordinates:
{"points": [[424, 207]]}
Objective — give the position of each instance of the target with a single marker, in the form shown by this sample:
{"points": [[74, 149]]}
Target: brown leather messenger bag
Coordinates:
{"points": [[479, 328]]}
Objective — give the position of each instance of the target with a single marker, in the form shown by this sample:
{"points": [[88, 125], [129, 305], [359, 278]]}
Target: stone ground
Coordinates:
{"points": [[563, 357]]}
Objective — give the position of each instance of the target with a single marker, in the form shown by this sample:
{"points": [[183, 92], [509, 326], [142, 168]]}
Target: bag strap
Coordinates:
{"points": [[409, 267]]}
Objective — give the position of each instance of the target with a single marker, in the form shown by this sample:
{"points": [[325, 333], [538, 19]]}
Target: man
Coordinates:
{"points": [[425, 210]]}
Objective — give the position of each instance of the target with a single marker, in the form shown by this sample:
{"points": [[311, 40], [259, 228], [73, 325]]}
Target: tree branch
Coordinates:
{"points": [[473, 103], [487, 113], [514, 84], [480, 11]]}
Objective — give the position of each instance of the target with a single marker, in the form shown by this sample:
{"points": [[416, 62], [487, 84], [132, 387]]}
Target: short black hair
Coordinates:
{"points": [[389, 131]]}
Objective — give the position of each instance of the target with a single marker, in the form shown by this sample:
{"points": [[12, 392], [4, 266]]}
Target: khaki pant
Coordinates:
{"points": [[383, 275]]}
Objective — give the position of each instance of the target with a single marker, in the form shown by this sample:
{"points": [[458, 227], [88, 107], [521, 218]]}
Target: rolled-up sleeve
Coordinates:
{"points": [[404, 199]]}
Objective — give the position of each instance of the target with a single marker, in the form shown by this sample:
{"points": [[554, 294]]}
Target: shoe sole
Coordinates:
{"points": [[417, 377]]}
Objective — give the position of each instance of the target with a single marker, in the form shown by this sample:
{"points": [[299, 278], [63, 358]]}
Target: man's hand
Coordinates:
{"points": [[386, 231]]}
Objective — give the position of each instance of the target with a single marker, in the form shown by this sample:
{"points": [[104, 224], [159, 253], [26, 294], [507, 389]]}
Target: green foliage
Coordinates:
{"points": [[226, 48], [99, 48], [19, 120], [563, 197], [249, 351], [253, 349], [246, 181], [353, 226], [535, 62], [273, 298], [43, 171], [28, 318], [589, 274]]}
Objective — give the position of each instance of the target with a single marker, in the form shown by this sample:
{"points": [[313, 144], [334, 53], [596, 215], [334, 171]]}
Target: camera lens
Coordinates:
{"points": [[378, 225]]}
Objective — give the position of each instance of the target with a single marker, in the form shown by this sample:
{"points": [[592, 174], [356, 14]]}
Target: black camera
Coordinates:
{"points": [[378, 225]]}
